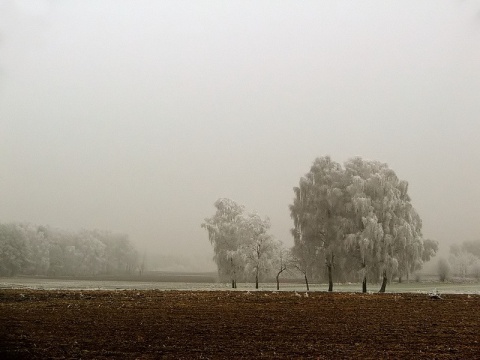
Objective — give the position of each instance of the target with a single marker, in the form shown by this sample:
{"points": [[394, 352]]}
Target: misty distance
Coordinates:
{"points": [[354, 223], [239, 179], [138, 124]]}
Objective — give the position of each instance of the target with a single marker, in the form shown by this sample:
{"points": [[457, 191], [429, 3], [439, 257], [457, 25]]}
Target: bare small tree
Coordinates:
{"points": [[282, 262], [303, 264]]}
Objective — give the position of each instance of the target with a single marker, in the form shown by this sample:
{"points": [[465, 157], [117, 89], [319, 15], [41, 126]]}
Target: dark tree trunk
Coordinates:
{"points": [[256, 280], [234, 274], [384, 282], [364, 284], [306, 282], [330, 279], [278, 276], [400, 279]]}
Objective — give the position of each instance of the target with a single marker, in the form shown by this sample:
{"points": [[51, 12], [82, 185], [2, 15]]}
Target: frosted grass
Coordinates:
{"points": [[72, 284]]}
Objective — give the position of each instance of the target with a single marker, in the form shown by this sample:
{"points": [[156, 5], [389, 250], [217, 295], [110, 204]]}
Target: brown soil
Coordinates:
{"points": [[39, 324]]}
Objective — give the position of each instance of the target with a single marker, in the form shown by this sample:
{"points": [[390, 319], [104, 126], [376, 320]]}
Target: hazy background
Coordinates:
{"points": [[135, 116]]}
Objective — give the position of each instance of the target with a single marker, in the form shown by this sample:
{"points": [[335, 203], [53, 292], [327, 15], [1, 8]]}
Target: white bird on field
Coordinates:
{"points": [[306, 294], [297, 294]]}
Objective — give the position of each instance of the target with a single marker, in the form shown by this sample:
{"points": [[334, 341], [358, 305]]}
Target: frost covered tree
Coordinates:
{"points": [[461, 261], [306, 243], [390, 229], [23, 250], [472, 247], [13, 249], [38, 253], [318, 213], [38, 250], [225, 234], [304, 258], [465, 259], [257, 246], [241, 244], [364, 244], [363, 212], [90, 251], [443, 269]]}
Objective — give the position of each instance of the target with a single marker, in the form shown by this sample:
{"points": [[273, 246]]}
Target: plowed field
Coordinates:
{"points": [[149, 324]]}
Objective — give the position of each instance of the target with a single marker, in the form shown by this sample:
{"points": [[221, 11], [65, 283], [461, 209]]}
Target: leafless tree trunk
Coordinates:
{"points": [[330, 279], [384, 282], [306, 281], [282, 269], [364, 282]]}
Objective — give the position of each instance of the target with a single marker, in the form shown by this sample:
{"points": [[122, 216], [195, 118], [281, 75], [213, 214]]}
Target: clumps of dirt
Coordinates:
{"points": [[150, 324]]}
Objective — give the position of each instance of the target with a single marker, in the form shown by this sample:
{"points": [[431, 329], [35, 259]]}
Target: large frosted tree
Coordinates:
{"points": [[318, 213], [361, 211], [386, 228]]}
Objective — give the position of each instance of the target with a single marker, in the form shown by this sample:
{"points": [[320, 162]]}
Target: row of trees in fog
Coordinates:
{"points": [[38, 250], [463, 262], [350, 223]]}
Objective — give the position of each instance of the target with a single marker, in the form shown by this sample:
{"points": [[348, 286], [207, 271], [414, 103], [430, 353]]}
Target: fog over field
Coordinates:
{"points": [[136, 116]]}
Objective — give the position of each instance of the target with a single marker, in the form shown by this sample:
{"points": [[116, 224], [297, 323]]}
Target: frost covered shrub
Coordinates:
{"points": [[443, 269]]}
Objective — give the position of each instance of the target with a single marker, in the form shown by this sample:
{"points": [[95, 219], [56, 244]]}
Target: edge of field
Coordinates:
{"points": [[209, 281]]}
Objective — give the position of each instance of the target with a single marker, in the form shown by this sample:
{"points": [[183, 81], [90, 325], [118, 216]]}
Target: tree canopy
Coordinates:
{"points": [[464, 259], [359, 214], [241, 243], [39, 250]]}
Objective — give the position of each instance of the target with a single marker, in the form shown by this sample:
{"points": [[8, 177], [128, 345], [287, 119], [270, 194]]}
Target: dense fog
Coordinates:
{"points": [[134, 117]]}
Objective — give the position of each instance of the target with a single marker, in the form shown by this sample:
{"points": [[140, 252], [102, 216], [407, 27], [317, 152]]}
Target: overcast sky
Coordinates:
{"points": [[135, 116]]}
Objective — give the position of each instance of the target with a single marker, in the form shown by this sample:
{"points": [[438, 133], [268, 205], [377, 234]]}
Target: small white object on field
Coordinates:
{"points": [[435, 295]]}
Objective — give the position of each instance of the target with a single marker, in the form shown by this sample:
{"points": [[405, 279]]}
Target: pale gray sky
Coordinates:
{"points": [[135, 116]]}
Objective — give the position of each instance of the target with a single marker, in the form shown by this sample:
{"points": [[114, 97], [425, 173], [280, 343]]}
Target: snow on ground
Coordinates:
{"points": [[72, 284]]}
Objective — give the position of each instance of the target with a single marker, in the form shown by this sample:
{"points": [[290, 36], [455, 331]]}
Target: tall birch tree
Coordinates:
{"points": [[390, 228], [241, 243], [257, 246], [318, 211], [225, 234]]}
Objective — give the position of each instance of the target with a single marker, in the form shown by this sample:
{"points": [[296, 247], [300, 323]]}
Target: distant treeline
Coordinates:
{"points": [[27, 249], [463, 262]]}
